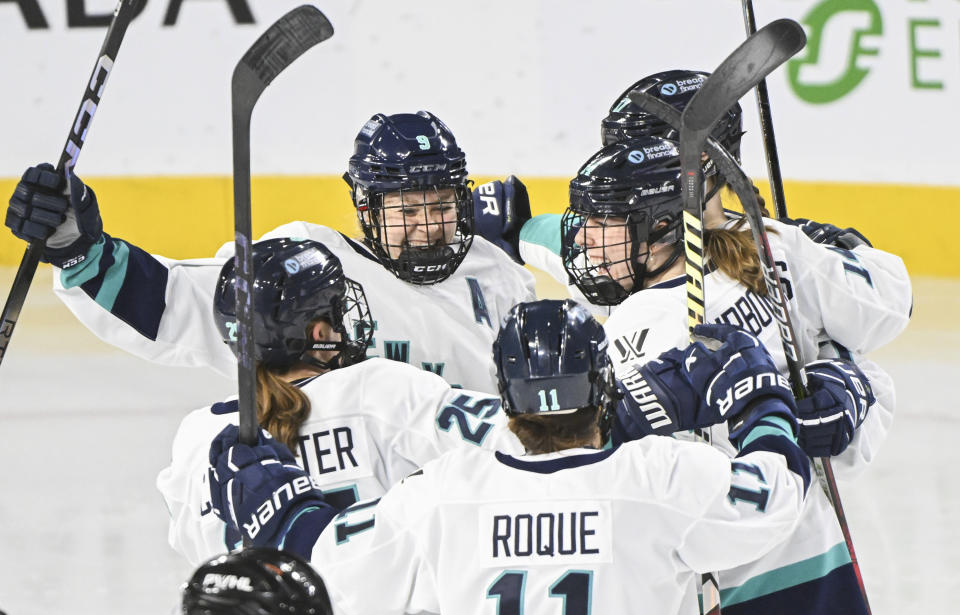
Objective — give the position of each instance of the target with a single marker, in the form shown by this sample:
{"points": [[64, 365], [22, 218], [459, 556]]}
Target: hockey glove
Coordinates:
{"points": [[500, 209], [840, 396], [846, 238], [259, 490], [68, 221], [725, 375]]}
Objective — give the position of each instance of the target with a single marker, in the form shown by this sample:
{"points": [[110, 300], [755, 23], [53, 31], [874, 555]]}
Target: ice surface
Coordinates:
{"points": [[86, 428]]}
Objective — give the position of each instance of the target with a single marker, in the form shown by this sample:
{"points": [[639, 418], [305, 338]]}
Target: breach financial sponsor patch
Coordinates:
{"points": [[543, 533]]}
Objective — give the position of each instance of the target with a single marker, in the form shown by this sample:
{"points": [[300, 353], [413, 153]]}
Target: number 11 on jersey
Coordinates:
{"points": [[574, 587]]}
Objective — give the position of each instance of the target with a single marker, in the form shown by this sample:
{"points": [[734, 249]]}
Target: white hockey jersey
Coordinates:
{"points": [[624, 530], [161, 309], [860, 299], [370, 425], [838, 308]]}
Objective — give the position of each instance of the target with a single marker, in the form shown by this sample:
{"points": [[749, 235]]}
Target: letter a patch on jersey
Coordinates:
{"points": [[479, 303]]}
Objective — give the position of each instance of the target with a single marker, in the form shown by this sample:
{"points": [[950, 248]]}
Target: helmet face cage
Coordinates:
{"points": [[625, 199], [413, 198], [617, 266], [296, 284], [443, 212], [350, 317]]}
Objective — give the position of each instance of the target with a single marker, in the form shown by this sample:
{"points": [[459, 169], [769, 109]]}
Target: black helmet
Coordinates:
{"points": [[255, 581], [296, 282], [551, 356], [675, 87], [630, 190], [416, 153]]}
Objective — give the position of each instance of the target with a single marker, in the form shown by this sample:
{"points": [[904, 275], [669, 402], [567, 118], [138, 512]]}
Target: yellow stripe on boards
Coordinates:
{"points": [[186, 217]]}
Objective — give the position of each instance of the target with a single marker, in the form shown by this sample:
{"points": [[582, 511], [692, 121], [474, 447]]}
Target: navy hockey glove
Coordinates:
{"points": [[67, 221], [725, 375], [259, 490], [846, 238], [840, 396], [499, 210]]}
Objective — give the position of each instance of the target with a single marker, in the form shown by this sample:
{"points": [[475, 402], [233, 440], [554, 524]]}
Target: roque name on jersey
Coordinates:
{"points": [[546, 534]]}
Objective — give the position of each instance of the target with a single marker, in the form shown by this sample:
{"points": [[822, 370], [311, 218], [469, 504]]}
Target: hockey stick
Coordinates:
{"points": [[738, 180], [754, 59], [276, 49], [125, 11], [766, 126]]}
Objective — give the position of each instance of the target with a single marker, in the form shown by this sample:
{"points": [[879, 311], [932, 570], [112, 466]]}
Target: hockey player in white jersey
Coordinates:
{"points": [[356, 426], [409, 184], [627, 212], [568, 527]]}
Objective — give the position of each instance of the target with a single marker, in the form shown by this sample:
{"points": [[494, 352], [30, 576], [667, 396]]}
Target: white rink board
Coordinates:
{"points": [[522, 84]]}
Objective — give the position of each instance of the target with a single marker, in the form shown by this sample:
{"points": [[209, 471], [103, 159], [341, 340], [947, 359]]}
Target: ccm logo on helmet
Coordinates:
{"points": [[748, 385], [427, 168], [227, 581], [282, 495]]}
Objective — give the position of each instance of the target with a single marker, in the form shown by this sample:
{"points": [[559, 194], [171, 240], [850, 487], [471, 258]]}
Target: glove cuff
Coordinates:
{"points": [[72, 254], [769, 413]]}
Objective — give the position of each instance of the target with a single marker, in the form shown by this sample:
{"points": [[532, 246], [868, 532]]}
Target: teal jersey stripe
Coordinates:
{"points": [[85, 271], [543, 230], [788, 576], [114, 276]]}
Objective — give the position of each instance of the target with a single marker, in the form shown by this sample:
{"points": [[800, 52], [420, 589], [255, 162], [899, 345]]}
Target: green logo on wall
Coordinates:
{"points": [[825, 74]]}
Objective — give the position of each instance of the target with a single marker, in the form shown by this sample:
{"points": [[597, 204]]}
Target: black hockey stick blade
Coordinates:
{"points": [[276, 49], [123, 14], [751, 62]]}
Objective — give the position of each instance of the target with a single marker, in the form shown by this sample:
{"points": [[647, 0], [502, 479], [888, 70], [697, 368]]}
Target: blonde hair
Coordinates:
{"points": [[733, 252], [282, 407], [549, 433]]}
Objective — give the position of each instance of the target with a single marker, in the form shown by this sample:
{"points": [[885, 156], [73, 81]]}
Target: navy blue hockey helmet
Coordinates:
{"points": [[551, 357], [407, 171], [255, 581], [626, 195], [296, 282], [676, 87]]}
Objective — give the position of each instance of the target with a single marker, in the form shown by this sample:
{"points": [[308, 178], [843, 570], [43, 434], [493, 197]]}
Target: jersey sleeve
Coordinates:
{"points": [[872, 433], [153, 307], [540, 240], [861, 298], [740, 508], [195, 531], [380, 541], [427, 417]]}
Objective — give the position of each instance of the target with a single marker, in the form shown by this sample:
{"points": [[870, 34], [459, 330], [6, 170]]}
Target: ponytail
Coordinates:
{"points": [[733, 252], [282, 407]]}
